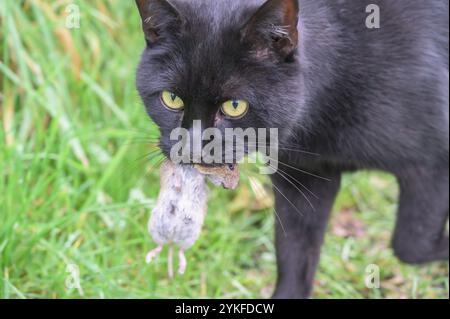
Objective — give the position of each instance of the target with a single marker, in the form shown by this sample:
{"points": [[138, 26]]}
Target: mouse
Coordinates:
{"points": [[180, 210], [178, 216]]}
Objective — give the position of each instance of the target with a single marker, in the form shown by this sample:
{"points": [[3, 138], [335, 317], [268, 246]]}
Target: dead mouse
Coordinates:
{"points": [[180, 211]]}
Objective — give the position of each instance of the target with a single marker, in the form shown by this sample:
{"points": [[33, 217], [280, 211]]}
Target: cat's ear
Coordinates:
{"points": [[159, 19], [273, 29]]}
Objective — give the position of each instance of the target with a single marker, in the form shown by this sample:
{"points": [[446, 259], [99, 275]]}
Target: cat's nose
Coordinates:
{"points": [[195, 122], [192, 147]]}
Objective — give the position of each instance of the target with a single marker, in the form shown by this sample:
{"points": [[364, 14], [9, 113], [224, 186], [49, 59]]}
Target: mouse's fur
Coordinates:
{"points": [[180, 210], [181, 206]]}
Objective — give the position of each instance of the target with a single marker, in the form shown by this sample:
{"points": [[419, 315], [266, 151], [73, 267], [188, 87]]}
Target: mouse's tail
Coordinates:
{"points": [[170, 261]]}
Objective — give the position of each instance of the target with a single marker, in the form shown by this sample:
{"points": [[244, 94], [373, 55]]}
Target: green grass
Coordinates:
{"points": [[75, 188]]}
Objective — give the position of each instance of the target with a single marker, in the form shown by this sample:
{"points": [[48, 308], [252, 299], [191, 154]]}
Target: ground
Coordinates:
{"points": [[78, 180]]}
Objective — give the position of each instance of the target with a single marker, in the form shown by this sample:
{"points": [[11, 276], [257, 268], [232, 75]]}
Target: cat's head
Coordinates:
{"points": [[229, 64]]}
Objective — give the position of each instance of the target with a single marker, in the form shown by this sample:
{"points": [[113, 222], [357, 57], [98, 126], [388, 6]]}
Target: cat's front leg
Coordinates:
{"points": [[300, 226], [420, 234]]}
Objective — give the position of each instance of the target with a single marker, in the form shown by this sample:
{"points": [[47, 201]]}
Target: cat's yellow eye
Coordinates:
{"points": [[235, 108], [172, 101]]}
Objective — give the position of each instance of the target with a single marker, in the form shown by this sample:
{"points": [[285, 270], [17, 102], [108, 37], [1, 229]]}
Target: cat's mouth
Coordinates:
{"points": [[226, 175], [230, 167]]}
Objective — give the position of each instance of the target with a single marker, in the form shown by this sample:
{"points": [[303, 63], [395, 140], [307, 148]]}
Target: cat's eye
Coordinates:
{"points": [[172, 101], [235, 108]]}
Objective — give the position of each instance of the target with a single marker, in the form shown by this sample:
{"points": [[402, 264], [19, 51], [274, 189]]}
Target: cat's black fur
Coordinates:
{"points": [[361, 98]]}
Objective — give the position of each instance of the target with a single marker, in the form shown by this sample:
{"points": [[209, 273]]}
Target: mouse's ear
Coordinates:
{"points": [[273, 29], [160, 19]]}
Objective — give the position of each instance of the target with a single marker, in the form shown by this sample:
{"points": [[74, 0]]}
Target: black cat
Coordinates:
{"points": [[362, 98]]}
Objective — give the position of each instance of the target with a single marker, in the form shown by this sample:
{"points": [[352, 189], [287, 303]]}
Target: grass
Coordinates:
{"points": [[75, 189]]}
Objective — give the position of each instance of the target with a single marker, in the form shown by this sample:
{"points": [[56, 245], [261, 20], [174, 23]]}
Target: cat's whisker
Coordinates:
{"points": [[149, 156], [140, 131], [281, 147], [279, 220], [143, 136], [298, 151], [146, 143], [276, 169], [282, 194], [300, 170], [296, 180], [275, 211], [146, 138], [289, 201], [154, 165], [292, 167], [281, 173]]}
